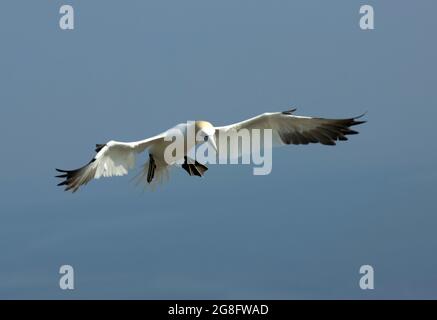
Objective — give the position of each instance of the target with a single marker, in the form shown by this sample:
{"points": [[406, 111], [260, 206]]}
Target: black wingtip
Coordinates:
{"points": [[99, 147], [361, 115], [355, 123], [289, 112]]}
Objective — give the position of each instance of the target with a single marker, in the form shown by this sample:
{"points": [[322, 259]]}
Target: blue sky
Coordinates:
{"points": [[132, 69]]}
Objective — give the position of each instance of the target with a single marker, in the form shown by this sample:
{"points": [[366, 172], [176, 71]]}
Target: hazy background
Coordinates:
{"points": [[131, 69]]}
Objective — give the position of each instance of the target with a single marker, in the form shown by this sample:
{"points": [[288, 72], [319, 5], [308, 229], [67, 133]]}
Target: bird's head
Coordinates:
{"points": [[205, 131]]}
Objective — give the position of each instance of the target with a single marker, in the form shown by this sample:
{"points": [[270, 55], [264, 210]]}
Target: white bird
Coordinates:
{"points": [[117, 158]]}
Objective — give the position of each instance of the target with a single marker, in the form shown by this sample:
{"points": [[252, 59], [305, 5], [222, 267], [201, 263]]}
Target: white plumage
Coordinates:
{"points": [[117, 158]]}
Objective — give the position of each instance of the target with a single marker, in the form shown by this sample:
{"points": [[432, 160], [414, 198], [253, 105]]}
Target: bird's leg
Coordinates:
{"points": [[194, 168], [152, 167]]}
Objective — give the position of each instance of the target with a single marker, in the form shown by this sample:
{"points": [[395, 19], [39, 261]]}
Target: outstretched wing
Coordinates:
{"points": [[112, 159], [290, 129]]}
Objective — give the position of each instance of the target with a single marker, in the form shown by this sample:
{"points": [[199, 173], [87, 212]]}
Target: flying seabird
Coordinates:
{"points": [[116, 158]]}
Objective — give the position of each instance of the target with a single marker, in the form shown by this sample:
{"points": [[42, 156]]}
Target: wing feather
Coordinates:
{"points": [[291, 129], [112, 159]]}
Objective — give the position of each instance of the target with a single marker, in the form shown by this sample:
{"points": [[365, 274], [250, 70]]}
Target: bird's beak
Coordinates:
{"points": [[211, 140]]}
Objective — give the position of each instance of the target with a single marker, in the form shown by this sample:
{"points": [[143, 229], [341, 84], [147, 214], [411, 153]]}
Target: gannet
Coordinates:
{"points": [[116, 158]]}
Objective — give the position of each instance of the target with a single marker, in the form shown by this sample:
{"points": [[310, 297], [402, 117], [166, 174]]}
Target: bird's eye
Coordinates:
{"points": [[205, 138]]}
